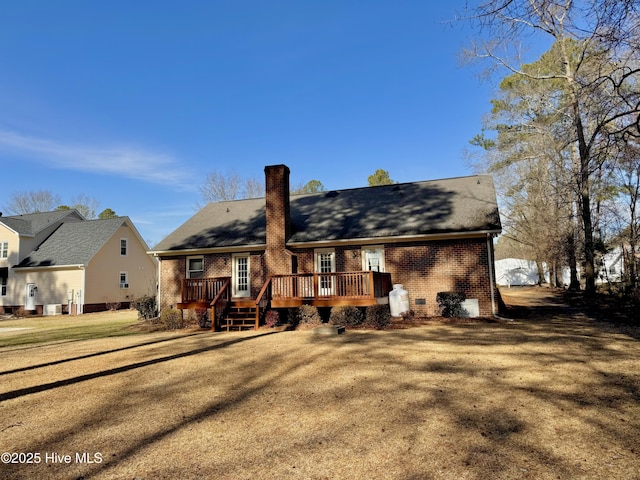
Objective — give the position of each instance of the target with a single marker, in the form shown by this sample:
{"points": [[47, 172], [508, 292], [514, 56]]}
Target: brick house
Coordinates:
{"points": [[344, 247]]}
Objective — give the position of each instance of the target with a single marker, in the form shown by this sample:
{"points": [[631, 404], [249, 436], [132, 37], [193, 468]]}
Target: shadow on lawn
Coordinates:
{"points": [[95, 354], [113, 371], [481, 393]]}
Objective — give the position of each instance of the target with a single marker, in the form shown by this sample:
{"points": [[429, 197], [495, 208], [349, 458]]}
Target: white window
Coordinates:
{"points": [[124, 244], [195, 267], [4, 249], [124, 280], [373, 258]]}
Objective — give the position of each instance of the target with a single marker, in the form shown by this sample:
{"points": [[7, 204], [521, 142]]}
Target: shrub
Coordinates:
{"points": [[171, 319], [113, 305], [202, 315], [146, 307], [347, 316], [408, 316], [450, 303], [272, 318], [22, 313], [378, 316], [307, 316]]}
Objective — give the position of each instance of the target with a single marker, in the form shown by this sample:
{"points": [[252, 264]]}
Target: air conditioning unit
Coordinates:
{"points": [[52, 309], [124, 285]]}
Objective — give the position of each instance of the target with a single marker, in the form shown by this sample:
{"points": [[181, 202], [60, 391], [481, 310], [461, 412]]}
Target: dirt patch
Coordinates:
{"points": [[547, 397]]}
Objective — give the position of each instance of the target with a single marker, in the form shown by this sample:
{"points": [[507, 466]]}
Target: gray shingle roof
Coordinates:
{"points": [[32, 223], [73, 243], [455, 205]]}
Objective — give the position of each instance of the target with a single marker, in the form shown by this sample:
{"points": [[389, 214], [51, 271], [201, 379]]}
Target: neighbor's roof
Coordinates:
{"points": [[73, 243], [450, 206], [32, 223]]}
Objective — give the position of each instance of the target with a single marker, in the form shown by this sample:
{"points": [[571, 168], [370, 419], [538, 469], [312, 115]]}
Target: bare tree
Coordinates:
{"points": [[86, 205], [219, 187], [32, 202], [597, 49]]}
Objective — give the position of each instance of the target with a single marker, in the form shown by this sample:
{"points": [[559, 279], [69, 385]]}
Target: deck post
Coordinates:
{"points": [[372, 285]]}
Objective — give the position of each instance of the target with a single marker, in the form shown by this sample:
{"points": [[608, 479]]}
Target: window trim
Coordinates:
{"points": [[4, 249], [188, 271], [124, 284], [234, 262], [3, 285], [382, 266], [126, 247]]}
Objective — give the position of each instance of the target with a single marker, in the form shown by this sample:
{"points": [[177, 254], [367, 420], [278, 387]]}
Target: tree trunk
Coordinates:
{"points": [[540, 268]]}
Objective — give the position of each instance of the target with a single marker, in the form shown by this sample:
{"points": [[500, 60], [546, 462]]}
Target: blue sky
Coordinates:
{"points": [[134, 102]]}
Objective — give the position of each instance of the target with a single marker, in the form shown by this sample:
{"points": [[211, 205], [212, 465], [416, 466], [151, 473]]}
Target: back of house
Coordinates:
{"points": [[343, 247]]}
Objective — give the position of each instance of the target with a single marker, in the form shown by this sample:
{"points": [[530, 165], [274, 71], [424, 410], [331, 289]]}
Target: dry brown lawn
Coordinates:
{"points": [[556, 396]]}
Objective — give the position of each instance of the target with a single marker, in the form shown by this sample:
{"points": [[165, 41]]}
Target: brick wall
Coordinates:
{"points": [[172, 271], [424, 269], [427, 268]]}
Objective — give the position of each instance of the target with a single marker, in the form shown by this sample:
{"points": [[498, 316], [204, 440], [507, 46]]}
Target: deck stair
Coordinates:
{"points": [[241, 315]]}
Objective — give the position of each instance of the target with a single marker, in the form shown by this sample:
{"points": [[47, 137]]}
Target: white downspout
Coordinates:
{"points": [[491, 275]]}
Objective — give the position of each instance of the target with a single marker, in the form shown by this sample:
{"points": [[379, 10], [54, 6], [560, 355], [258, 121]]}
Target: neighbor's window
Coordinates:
{"points": [[123, 246], [4, 249], [3, 285], [195, 267], [124, 280]]}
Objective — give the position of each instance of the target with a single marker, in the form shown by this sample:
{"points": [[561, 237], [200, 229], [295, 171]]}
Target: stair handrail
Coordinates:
{"points": [[220, 300], [265, 291]]}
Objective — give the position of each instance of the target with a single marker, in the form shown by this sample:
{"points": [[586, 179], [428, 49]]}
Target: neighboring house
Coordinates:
{"points": [[57, 261], [611, 267], [512, 272], [344, 247]]}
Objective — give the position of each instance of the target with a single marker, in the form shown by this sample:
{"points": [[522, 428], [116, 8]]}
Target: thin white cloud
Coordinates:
{"points": [[121, 161]]}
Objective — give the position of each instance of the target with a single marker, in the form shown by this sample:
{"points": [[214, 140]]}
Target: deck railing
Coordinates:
{"points": [[220, 303], [347, 285], [202, 289]]}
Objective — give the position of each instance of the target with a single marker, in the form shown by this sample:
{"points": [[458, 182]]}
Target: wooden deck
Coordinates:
{"points": [[329, 289], [358, 289]]}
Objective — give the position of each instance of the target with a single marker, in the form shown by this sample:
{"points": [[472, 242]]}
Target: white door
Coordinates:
{"points": [[241, 276], [326, 263], [30, 300]]}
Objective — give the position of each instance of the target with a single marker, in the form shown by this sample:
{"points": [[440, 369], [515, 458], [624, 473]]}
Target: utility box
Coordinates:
{"points": [[52, 309]]}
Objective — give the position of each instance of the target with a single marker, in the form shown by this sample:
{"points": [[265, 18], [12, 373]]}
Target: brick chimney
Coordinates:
{"points": [[278, 212]]}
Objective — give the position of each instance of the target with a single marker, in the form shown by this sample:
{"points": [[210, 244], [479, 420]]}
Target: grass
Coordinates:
{"points": [[68, 328], [552, 395]]}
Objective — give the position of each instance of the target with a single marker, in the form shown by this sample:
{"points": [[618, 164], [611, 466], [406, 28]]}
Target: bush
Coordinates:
{"points": [[450, 304], [171, 319], [202, 316], [378, 316], [113, 305], [272, 318], [22, 313], [306, 316], [347, 316], [146, 307]]}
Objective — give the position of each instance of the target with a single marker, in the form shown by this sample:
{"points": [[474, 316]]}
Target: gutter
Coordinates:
{"points": [[49, 267], [329, 243]]}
